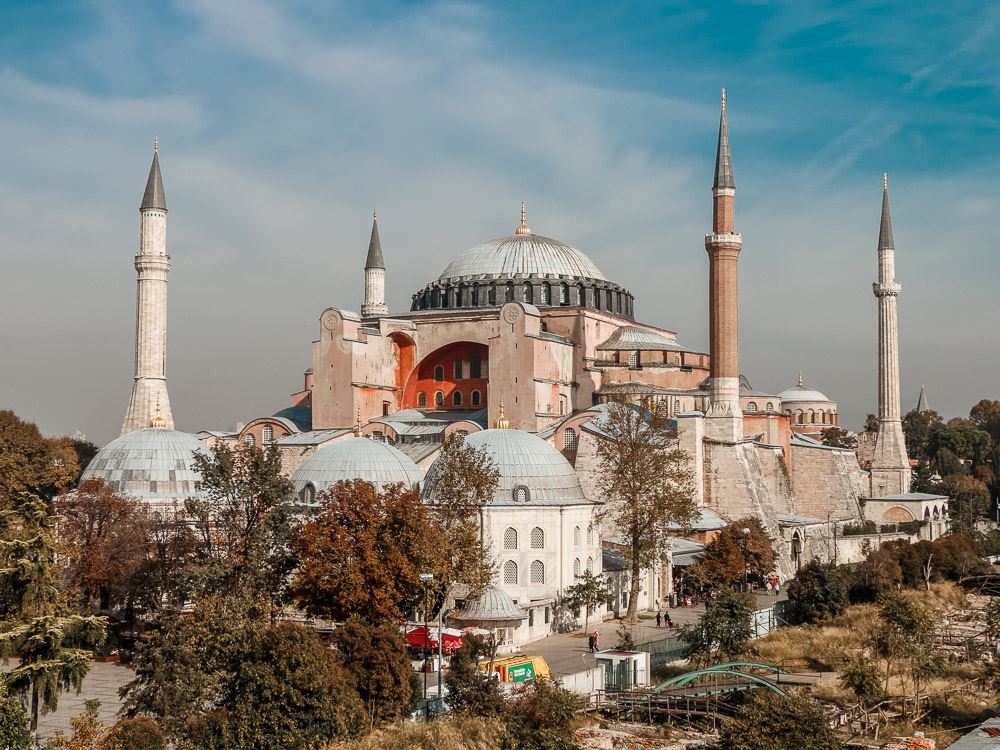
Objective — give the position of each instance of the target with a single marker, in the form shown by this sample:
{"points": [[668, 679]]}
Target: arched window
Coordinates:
{"points": [[537, 538], [475, 365], [435, 298], [812, 416], [444, 296], [576, 536], [508, 294], [597, 299], [590, 565], [456, 368], [563, 404], [493, 294], [537, 571], [564, 294], [476, 398], [569, 439], [527, 293], [633, 359], [510, 538], [309, 494], [267, 435], [520, 494], [438, 373], [576, 568], [421, 399], [590, 534], [770, 406], [456, 398], [752, 407], [438, 398], [799, 416], [546, 291], [250, 440], [510, 573]]}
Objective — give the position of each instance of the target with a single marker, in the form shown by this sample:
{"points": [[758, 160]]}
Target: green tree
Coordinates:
{"points": [[471, 690], [969, 502], [905, 638], [862, 678], [542, 715], [88, 730], [768, 721], [649, 482], [734, 555], [878, 574], [964, 440], [871, 423], [363, 554], [461, 483], [724, 631], [588, 593], [51, 645], [819, 591], [244, 522], [13, 721], [917, 427], [986, 416], [375, 658], [31, 464], [140, 733], [838, 438]]}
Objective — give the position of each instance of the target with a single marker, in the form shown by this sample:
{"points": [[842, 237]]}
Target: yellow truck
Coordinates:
{"points": [[518, 668]]}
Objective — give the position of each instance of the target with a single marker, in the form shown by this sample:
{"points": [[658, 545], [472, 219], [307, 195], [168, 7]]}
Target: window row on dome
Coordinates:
{"points": [[813, 416], [582, 294], [457, 398]]}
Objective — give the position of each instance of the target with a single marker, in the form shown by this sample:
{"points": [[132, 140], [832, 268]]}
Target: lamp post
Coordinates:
{"points": [[746, 559], [426, 579]]}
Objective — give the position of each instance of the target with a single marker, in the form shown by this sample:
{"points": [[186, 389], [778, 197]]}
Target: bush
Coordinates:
{"points": [[470, 690], [768, 721], [819, 591], [140, 733], [723, 631], [13, 720], [376, 659], [542, 716]]}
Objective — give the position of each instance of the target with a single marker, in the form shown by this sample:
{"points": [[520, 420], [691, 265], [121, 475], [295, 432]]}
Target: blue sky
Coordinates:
{"points": [[283, 125]]}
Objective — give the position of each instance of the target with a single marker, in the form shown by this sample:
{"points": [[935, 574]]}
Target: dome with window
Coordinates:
{"points": [[355, 458], [532, 471], [155, 465]]}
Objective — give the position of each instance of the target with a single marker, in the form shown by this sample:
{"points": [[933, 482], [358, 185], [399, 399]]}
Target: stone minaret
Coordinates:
{"points": [[149, 390], [374, 305], [890, 468], [724, 419]]}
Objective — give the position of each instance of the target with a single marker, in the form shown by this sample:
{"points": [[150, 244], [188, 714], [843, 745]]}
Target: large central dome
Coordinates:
{"points": [[522, 255]]}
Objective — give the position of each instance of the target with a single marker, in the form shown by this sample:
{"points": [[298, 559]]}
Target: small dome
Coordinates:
{"points": [[154, 464], [494, 608], [522, 254], [355, 458], [531, 470], [799, 392]]}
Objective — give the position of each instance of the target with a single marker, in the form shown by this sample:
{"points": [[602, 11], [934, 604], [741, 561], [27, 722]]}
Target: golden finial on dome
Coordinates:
{"points": [[501, 423], [523, 228], [357, 424], [157, 421], [800, 382]]}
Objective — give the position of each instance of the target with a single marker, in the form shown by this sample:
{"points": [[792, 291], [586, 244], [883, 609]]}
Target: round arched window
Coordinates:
{"points": [[510, 538], [438, 398], [250, 440], [520, 494], [510, 573], [439, 373], [537, 538], [421, 399], [537, 572], [267, 434]]}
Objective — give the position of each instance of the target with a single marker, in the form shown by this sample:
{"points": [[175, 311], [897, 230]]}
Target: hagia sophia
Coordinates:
{"points": [[518, 345]]}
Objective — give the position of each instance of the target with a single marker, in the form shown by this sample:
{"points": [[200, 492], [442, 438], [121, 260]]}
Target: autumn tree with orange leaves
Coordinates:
{"points": [[363, 554]]}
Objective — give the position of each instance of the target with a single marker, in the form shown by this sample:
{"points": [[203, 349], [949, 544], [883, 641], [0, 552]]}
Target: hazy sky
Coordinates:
{"points": [[282, 126]]}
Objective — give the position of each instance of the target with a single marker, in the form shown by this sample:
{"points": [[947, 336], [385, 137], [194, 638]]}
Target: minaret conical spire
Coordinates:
{"points": [[922, 403], [723, 157], [375, 259], [154, 197], [885, 228]]}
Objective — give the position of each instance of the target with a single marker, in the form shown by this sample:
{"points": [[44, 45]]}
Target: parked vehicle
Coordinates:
{"points": [[518, 668]]}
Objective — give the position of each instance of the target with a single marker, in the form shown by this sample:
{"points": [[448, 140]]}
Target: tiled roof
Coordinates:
{"points": [[523, 254], [631, 338]]}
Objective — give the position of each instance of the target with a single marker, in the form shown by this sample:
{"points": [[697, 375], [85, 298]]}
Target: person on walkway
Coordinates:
{"points": [[777, 589], [659, 619], [597, 640], [590, 642], [770, 588], [670, 623]]}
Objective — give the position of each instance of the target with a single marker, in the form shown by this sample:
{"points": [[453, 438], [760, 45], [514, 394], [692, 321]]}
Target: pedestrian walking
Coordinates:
{"points": [[777, 589], [659, 619], [590, 642], [670, 622], [769, 587], [597, 640]]}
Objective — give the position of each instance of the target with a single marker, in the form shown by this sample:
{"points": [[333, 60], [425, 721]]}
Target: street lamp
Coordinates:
{"points": [[746, 559], [426, 578]]}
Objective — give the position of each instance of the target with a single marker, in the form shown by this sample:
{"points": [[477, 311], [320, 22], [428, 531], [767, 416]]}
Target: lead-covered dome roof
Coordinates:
{"points": [[153, 464], [531, 470], [355, 458], [522, 255], [800, 392]]}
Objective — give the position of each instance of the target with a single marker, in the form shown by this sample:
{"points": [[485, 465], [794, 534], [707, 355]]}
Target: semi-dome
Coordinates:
{"points": [[153, 464], [522, 255], [799, 392], [355, 458], [531, 470]]}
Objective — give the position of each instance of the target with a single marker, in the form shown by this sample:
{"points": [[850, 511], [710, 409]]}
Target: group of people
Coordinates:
{"points": [[773, 586], [664, 619], [594, 641]]}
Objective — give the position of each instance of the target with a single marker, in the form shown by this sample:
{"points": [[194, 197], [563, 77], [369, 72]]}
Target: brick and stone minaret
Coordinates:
{"points": [[149, 390], [374, 305], [890, 468], [724, 419]]}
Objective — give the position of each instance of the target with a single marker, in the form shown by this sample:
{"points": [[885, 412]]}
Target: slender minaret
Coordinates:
{"points": [[374, 305], [149, 390], [890, 468], [922, 404], [724, 418]]}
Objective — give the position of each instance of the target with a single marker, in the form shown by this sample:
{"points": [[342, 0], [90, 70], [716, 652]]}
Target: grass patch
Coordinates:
{"points": [[451, 733]]}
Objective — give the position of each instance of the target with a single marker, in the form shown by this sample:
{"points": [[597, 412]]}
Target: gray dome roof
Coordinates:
{"points": [[524, 461], [356, 458], [523, 254], [153, 464], [799, 392], [494, 608]]}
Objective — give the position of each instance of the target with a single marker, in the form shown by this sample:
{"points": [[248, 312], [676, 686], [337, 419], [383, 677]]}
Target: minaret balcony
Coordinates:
{"points": [[887, 288]]}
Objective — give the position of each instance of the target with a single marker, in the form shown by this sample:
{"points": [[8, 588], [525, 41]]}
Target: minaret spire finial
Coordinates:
{"points": [[885, 180], [501, 423], [723, 100], [523, 228], [357, 424], [800, 383], [156, 144]]}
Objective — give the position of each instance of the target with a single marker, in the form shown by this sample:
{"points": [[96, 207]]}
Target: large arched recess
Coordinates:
{"points": [[422, 379], [404, 353]]}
